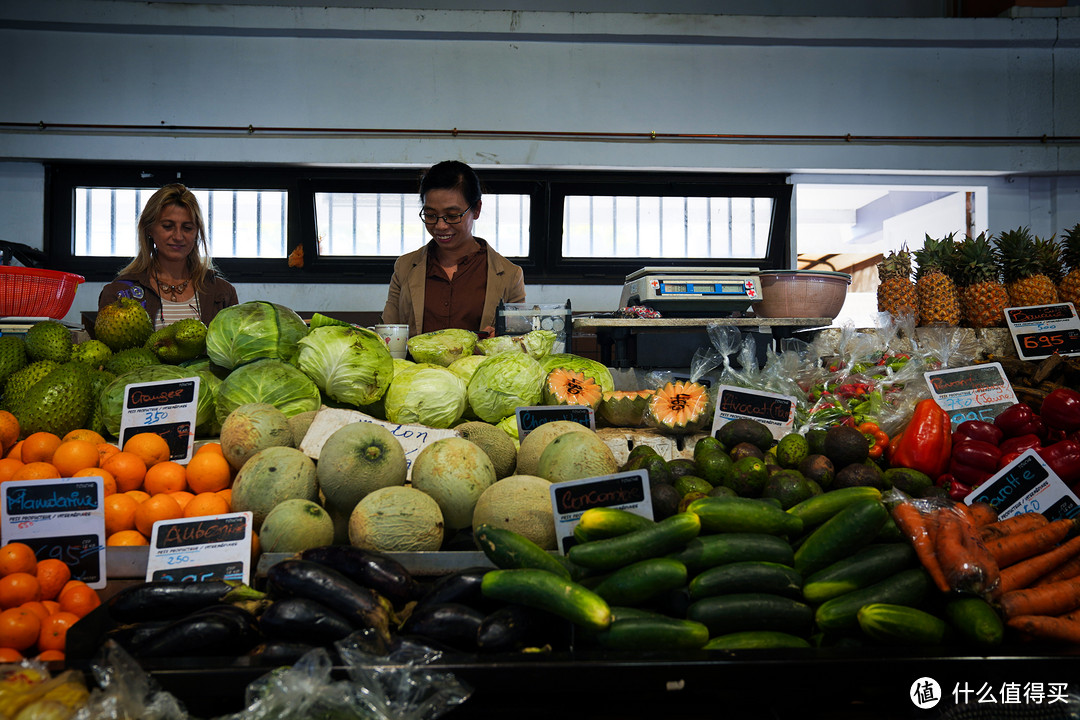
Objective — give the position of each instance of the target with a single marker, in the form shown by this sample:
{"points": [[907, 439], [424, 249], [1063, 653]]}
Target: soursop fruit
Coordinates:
{"points": [[20, 382], [48, 340], [12, 356], [91, 352], [131, 359], [180, 341], [123, 324], [58, 403]]}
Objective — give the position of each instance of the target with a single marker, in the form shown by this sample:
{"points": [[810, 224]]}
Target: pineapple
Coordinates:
{"points": [[1069, 287], [939, 302], [896, 291], [983, 297], [1021, 267]]}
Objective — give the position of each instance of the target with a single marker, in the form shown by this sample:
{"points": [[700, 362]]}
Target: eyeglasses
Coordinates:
{"points": [[431, 218]]}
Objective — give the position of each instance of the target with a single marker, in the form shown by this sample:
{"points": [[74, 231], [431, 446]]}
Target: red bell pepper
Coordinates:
{"points": [[958, 490], [973, 462], [926, 442], [1020, 443], [978, 430], [1060, 409], [1020, 419], [1007, 458], [1063, 458]]}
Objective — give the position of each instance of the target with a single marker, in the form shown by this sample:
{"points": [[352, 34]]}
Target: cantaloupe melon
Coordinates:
{"points": [[299, 425], [573, 456], [495, 442], [533, 445], [357, 459], [252, 427], [396, 519], [294, 526], [679, 408], [269, 478], [521, 503], [570, 387], [455, 472], [624, 408]]}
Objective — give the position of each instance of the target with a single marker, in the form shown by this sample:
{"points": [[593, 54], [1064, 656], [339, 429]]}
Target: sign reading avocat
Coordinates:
{"points": [[775, 411]]}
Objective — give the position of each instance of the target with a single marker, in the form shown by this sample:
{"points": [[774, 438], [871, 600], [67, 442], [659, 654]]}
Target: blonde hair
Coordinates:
{"points": [[199, 262]]}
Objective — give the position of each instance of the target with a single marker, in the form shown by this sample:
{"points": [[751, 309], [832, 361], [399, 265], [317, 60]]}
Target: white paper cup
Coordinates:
{"points": [[396, 338]]}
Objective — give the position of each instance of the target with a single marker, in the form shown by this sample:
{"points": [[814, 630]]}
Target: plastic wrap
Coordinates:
{"points": [[125, 691]]}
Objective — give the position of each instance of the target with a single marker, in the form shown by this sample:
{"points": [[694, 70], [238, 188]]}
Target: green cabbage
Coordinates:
{"points": [[589, 368], [466, 366], [502, 383], [442, 347], [537, 343], [429, 396], [349, 364], [111, 400], [267, 381], [497, 344], [251, 331], [509, 425]]}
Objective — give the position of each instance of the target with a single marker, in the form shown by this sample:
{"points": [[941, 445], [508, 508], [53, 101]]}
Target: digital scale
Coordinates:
{"points": [[692, 291]]}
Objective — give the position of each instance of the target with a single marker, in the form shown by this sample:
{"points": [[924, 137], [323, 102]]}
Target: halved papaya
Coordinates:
{"points": [[679, 408], [569, 387], [625, 408]]}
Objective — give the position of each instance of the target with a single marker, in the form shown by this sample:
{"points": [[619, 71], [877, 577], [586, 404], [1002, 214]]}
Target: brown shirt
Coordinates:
{"points": [[456, 302]]}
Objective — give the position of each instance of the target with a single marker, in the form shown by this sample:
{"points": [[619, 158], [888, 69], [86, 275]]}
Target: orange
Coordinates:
{"points": [[39, 470], [10, 655], [126, 538], [256, 548], [119, 512], [106, 449], [227, 494], [210, 447], [183, 497], [53, 634], [15, 451], [51, 656], [151, 447], [79, 598], [19, 628], [40, 446], [52, 575], [108, 484], [8, 466], [18, 588], [9, 430], [205, 504], [74, 455], [84, 434], [17, 557], [51, 605], [157, 508], [139, 496], [36, 607], [208, 472], [128, 468], [165, 477]]}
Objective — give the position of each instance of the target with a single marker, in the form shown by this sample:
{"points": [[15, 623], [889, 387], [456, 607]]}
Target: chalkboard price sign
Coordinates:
{"points": [[202, 531], [168, 408], [201, 573], [530, 418], [81, 553], [975, 392], [178, 434], [775, 411], [1027, 485], [626, 490], [1039, 331], [207, 548]]}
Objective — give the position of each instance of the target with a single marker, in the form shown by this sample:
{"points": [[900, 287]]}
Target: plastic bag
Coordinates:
{"points": [[725, 341], [125, 691]]}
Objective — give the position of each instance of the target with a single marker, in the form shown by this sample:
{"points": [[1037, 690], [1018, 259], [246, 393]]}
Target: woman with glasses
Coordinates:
{"points": [[173, 276], [457, 279]]}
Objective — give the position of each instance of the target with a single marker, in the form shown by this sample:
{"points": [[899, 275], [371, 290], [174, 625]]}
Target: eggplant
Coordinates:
{"points": [[360, 606], [130, 634], [303, 620], [214, 631], [453, 624], [462, 586], [164, 600], [513, 627], [280, 652], [381, 573]]}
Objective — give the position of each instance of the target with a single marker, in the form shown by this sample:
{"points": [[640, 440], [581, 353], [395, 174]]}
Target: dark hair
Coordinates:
{"points": [[451, 175]]}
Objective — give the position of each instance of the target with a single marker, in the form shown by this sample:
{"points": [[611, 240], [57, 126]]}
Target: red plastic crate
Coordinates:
{"points": [[34, 292]]}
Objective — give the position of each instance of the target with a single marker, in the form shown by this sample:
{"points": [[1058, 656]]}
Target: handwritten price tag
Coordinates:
{"points": [[773, 410], [1027, 484], [1039, 331], [168, 408], [976, 392], [628, 491], [201, 549], [530, 418]]}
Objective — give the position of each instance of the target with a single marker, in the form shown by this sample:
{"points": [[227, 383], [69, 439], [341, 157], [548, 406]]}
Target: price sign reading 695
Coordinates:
{"points": [[1040, 331], [1041, 344]]}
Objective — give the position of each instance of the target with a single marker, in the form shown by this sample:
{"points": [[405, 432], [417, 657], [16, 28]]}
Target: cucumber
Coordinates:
{"points": [[654, 633], [642, 581], [864, 568], [907, 587], [976, 621], [816, 510], [600, 522], [706, 551], [756, 640], [744, 515], [661, 538], [508, 550], [847, 531], [900, 625], [737, 612], [547, 591], [890, 533], [622, 612], [747, 577]]}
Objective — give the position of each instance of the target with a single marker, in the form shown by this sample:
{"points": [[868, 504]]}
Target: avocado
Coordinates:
{"points": [[913, 482], [639, 451], [787, 486], [818, 468], [657, 467], [691, 483], [814, 487], [665, 501], [792, 450], [815, 439], [747, 430], [689, 498], [748, 477], [741, 450], [721, 491], [707, 444], [860, 474], [845, 445], [715, 466], [682, 466]]}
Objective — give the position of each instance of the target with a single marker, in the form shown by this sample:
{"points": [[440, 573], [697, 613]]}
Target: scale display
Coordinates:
{"points": [[708, 291]]}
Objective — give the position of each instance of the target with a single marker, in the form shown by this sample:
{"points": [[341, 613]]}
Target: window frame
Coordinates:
{"points": [[547, 190]]}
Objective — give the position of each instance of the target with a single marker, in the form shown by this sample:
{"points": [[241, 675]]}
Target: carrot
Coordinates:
{"points": [[918, 529], [983, 514], [989, 577], [1013, 548], [1017, 523], [952, 553], [1074, 615], [1026, 572], [1064, 571], [1053, 599], [1048, 628]]}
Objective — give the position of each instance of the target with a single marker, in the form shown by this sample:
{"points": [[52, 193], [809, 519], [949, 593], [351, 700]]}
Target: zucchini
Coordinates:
{"points": [[642, 581], [706, 551], [659, 539], [866, 567], [816, 510], [747, 577], [907, 587], [975, 620], [841, 535], [621, 612], [744, 515], [547, 591], [737, 612], [756, 640], [598, 523], [508, 550], [654, 633], [900, 625]]}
